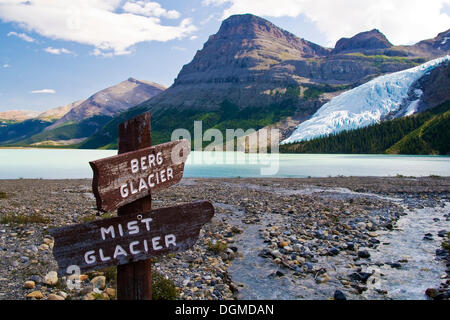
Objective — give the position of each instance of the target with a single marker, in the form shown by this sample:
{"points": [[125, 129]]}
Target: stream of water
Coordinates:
{"points": [[406, 243], [420, 269]]}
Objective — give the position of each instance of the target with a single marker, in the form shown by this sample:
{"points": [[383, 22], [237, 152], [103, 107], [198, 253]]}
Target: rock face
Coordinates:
{"points": [[246, 59], [112, 101], [370, 40], [434, 87]]}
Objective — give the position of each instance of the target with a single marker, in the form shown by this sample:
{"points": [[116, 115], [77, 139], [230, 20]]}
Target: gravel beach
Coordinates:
{"points": [[311, 238]]}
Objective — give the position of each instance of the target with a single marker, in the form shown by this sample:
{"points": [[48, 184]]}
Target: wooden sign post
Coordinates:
{"points": [[134, 280], [125, 182]]}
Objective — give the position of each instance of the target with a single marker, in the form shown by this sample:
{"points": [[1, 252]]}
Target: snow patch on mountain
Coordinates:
{"points": [[366, 104]]}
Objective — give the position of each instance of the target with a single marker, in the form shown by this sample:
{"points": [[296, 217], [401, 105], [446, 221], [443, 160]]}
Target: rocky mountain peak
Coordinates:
{"points": [[369, 40], [245, 45], [249, 26], [441, 42]]}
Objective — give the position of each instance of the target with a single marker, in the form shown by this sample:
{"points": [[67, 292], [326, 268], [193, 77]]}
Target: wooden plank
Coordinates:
{"points": [[130, 238], [130, 176], [134, 280]]}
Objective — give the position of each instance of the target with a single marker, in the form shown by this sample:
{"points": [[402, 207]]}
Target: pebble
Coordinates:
{"points": [[99, 282], [339, 295], [29, 284], [432, 293], [323, 278], [53, 296], [35, 295], [110, 292], [51, 278], [364, 254]]}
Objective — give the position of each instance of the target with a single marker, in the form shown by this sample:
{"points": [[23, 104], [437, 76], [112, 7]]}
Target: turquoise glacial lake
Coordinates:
{"points": [[74, 164]]}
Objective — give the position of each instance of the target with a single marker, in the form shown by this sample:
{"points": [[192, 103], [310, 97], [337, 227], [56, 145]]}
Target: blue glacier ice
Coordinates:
{"points": [[366, 104]]}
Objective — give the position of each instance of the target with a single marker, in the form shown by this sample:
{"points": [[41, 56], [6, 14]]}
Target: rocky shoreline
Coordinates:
{"points": [[315, 236]]}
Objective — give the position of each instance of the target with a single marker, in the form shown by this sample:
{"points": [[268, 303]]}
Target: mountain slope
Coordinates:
{"points": [[111, 101], [80, 119], [13, 132], [433, 137], [385, 97], [58, 113]]}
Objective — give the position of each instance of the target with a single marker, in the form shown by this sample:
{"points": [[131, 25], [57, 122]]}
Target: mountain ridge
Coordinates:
{"points": [[78, 120], [253, 74], [252, 64], [111, 101]]}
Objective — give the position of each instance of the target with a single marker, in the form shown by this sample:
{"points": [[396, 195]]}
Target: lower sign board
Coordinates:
{"points": [[130, 238]]}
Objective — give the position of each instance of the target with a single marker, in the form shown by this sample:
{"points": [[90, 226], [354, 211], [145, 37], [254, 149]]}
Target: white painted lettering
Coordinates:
{"points": [[169, 173], [133, 191], [102, 257], [134, 166], [150, 183], [133, 228], [120, 229], [132, 245], [124, 191], [151, 160], [143, 164], [89, 257], [159, 158], [109, 230], [119, 251], [170, 240], [147, 222], [155, 242], [142, 185]]}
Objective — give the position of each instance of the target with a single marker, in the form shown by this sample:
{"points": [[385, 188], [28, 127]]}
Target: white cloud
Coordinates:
{"points": [[178, 48], [51, 91], [57, 50], [22, 36], [403, 21], [193, 37], [104, 24], [149, 9], [6, 65]]}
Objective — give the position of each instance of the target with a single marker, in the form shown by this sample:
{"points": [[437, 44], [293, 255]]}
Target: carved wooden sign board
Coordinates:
{"points": [[126, 239], [130, 176], [125, 182]]}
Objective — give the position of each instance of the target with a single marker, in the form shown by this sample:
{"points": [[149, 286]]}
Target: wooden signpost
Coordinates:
{"points": [[125, 182]]}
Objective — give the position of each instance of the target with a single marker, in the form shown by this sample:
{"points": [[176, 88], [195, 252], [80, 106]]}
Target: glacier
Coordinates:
{"points": [[366, 104]]}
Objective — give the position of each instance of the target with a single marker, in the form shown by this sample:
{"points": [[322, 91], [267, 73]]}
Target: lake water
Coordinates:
{"points": [[71, 164]]}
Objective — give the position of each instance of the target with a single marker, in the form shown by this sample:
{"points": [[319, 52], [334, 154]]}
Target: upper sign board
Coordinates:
{"points": [[130, 176]]}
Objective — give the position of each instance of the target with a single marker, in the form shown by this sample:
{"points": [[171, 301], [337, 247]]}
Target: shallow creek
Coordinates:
{"points": [[419, 270]]}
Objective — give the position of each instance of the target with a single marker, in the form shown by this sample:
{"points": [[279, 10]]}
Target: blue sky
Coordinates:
{"points": [[55, 52]]}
